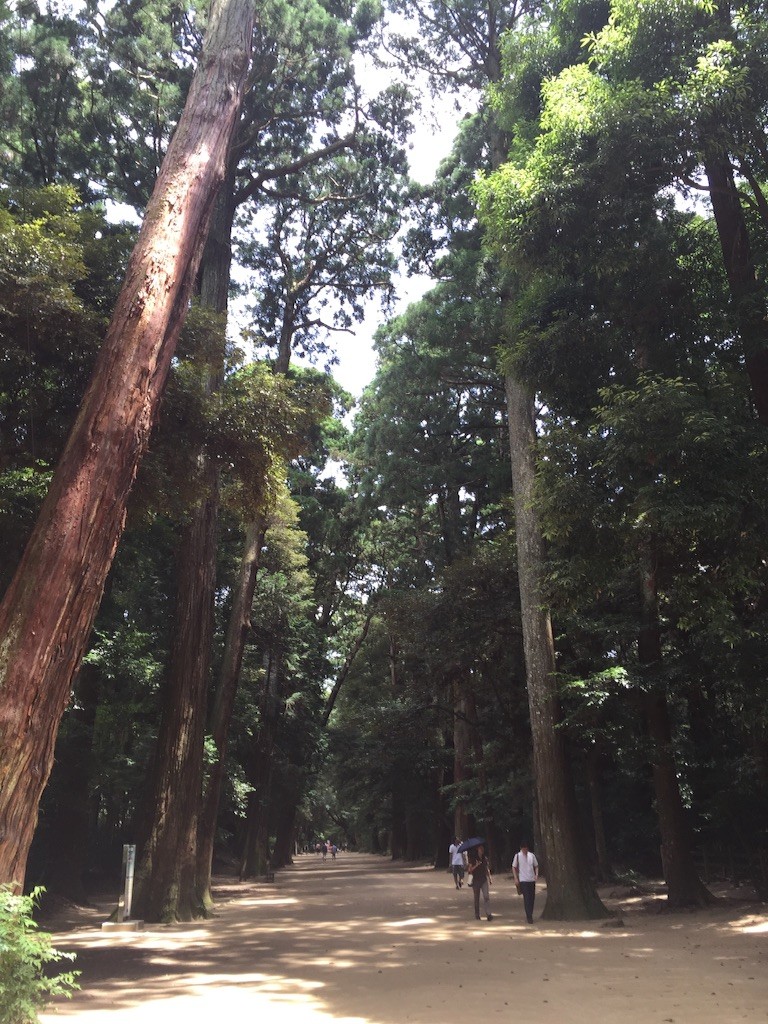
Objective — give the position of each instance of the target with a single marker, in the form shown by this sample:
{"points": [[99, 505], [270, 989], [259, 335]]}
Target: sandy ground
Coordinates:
{"points": [[363, 941]]}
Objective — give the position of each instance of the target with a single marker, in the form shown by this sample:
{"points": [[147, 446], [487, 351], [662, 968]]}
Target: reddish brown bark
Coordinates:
{"points": [[237, 632], [165, 879], [48, 610]]}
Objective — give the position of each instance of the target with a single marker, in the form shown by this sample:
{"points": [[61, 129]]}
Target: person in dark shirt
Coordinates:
{"points": [[480, 870]]}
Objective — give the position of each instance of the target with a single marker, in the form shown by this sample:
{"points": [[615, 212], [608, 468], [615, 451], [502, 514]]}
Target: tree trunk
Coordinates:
{"points": [[238, 629], [604, 870], [285, 825], [684, 887], [443, 834], [463, 824], [398, 832], [193, 633], [255, 858], [74, 541], [166, 873], [746, 291], [570, 893]]}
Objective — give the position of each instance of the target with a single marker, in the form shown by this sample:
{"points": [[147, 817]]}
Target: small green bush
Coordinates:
{"points": [[24, 954]]}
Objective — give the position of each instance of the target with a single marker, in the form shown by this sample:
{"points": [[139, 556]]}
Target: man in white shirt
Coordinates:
{"points": [[525, 868], [458, 862]]}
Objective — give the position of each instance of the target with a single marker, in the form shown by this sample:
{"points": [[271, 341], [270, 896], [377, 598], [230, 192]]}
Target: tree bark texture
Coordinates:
{"points": [[746, 291], [238, 628], [193, 634], [570, 893], [166, 874], [72, 546]]}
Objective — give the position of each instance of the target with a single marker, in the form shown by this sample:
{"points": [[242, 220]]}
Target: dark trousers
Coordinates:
{"points": [[529, 895], [458, 874]]}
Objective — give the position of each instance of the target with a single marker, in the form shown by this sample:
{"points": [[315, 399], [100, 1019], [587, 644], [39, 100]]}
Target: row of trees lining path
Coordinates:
{"points": [[571, 651]]}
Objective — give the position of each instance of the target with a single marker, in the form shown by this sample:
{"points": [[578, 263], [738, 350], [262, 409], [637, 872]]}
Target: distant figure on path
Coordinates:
{"points": [[480, 869], [325, 850], [525, 868], [458, 862]]}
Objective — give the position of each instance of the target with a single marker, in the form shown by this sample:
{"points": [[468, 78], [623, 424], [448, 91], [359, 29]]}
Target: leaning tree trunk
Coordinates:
{"points": [[747, 292], [76, 535], [570, 892]]}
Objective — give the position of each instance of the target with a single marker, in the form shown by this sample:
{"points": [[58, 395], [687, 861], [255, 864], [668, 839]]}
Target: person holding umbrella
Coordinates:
{"points": [[480, 872]]}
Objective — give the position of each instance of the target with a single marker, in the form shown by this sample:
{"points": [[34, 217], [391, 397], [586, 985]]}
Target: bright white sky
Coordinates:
{"points": [[357, 359], [430, 143]]}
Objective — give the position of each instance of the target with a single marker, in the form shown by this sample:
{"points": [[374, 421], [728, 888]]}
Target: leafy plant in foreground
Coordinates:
{"points": [[24, 954]]}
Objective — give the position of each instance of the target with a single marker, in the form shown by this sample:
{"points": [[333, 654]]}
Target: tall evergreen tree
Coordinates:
{"points": [[468, 41], [42, 646]]}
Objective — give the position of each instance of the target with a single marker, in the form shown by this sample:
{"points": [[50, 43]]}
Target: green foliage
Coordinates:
{"points": [[25, 954], [264, 420], [59, 263]]}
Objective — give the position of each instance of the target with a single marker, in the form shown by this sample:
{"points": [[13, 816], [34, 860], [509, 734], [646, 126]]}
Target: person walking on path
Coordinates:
{"points": [[458, 862], [525, 868], [480, 870]]}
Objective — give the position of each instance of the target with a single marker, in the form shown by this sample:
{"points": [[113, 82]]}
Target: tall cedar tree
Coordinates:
{"points": [[77, 532], [472, 36]]}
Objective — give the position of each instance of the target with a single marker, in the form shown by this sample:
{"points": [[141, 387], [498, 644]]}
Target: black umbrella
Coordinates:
{"points": [[470, 844]]}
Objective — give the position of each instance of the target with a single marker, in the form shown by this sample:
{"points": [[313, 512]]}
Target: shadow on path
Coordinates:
{"points": [[364, 941]]}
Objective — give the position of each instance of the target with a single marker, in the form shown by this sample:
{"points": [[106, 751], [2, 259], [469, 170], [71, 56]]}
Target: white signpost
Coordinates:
{"points": [[126, 896], [123, 920]]}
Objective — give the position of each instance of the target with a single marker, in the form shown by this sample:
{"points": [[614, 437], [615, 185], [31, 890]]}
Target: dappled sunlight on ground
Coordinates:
{"points": [[363, 941]]}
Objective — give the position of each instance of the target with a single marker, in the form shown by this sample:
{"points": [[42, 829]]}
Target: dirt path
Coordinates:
{"points": [[363, 941]]}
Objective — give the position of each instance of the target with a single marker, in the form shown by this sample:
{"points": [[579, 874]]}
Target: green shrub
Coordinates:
{"points": [[25, 952]]}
